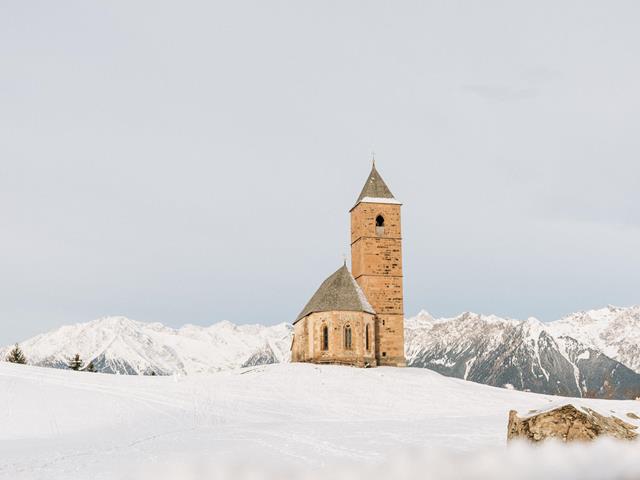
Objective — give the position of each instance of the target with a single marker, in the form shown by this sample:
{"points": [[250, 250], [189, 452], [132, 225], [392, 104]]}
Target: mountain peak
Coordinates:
{"points": [[532, 323], [112, 321]]}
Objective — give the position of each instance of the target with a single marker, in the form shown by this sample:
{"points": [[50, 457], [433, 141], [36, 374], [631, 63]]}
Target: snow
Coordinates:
{"points": [[562, 343], [533, 329], [139, 347], [604, 409], [130, 346], [467, 366], [281, 421], [424, 331], [391, 201], [586, 355], [613, 330], [443, 361]]}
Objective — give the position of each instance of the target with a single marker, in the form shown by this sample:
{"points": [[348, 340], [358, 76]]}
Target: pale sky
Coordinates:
{"points": [[189, 162]]}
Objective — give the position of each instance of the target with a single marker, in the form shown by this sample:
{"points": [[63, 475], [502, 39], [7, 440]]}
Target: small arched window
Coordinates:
{"points": [[366, 337], [325, 338], [379, 225], [347, 337]]}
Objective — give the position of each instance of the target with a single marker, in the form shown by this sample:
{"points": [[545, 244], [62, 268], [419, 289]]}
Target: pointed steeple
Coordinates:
{"points": [[339, 292], [375, 188]]}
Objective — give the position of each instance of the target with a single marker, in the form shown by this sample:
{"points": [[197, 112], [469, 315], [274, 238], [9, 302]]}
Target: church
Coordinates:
{"points": [[357, 318]]}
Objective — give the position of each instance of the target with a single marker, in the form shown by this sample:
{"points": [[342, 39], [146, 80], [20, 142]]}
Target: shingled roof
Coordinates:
{"points": [[339, 292], [374, 187]]}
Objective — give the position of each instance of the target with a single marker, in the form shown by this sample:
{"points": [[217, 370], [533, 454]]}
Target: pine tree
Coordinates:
{"points": [[75, 363], [16, 355], [91, 367]]}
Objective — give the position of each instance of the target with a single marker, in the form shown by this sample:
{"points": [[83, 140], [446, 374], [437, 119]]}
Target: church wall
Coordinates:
{"points": [[376, 256], [363, 220], [307, 343], [300, 343], [383, 292], [390, 340]]}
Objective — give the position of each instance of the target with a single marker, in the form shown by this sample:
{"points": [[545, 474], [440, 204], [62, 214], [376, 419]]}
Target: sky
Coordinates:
{"points": [[194, 161]]}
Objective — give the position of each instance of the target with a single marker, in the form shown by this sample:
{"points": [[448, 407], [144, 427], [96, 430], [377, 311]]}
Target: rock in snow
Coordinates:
{"points": [[569, 423]]}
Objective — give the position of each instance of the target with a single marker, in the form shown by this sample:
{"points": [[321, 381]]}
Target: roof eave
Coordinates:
{"points": [[322, 311], [379, 201]]}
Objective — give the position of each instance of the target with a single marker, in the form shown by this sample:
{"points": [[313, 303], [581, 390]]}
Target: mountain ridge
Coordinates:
{"points": [[526, 355], [613, 330], [593, 353], [124, 346]]}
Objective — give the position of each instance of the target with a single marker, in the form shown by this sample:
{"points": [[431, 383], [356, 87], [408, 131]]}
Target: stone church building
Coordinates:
{"points": [[357, 317]]}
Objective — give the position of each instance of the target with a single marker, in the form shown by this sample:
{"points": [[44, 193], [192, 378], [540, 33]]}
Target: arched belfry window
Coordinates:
{"points": [[347, 337], [366, 337], [379, 225], [324, 345]]}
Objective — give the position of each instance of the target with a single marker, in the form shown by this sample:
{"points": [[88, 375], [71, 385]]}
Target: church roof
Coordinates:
{"points": [[375, 190], [339, 292]]}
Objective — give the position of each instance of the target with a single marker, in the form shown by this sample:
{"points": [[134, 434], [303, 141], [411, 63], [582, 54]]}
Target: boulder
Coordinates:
{"points": [[569, 423]]}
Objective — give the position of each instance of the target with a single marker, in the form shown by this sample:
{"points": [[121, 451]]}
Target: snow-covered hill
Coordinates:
{"points": [[525, 355], [278, 421], [121, 345]]}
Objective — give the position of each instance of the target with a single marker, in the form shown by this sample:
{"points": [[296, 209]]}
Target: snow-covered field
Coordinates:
{"points": [[280, 421]]}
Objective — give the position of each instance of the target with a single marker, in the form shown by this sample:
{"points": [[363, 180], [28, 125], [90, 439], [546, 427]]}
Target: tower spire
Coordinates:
{"points": [[374, 186]]}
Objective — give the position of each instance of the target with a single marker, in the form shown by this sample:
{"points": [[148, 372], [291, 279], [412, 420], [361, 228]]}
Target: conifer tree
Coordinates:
{"points": [[75, 363], [91, 367], [16, 356]]}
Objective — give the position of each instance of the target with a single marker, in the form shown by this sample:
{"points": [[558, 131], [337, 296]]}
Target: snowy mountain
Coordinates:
{"points": [[121, 345], [525, 355], [586, 354], [613, 330]]}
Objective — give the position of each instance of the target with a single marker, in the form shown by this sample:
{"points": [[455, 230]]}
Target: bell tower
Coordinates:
{"points": [[376, 264]]}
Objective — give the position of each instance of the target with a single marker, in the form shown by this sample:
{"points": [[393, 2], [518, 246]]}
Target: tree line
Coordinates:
{"points": [[16, 355]]}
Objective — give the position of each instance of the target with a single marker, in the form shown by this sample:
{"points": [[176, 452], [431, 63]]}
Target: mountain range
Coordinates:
{"points": [[565, 357], [124, 346], [587, 354]]}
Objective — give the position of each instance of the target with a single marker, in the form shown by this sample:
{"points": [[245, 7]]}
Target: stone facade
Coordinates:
{"points": [[376, 256], [308, 339]]}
